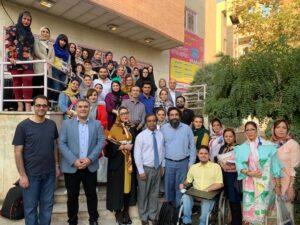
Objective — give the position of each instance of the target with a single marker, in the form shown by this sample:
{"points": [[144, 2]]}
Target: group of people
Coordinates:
{"points": [[148, 137]]}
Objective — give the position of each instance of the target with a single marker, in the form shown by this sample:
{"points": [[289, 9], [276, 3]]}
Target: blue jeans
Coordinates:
{"points": [[59, 75], [175, 174], [188, 202], [40, 193]]}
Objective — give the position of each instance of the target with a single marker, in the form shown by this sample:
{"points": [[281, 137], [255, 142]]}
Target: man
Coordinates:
{"points": [[36, 155], [187, 114], [85, 85], [173, 94], [146, 97], [81, 140], [149, 156], [180, 154], [136, 74], [136, 109], [204, 176], [104, 81]]}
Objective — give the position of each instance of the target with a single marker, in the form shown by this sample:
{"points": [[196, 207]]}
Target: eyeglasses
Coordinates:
{"points": [[41, 106]]}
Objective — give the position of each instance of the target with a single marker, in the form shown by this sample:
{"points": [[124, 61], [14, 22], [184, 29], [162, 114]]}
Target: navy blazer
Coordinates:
{"points": [[69, 144]]}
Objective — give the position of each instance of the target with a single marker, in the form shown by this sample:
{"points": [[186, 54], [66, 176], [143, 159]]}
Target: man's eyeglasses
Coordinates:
{"points": [[41, 105]]}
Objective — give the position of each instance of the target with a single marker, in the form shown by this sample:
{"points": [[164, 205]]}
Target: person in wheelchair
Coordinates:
{"points": [[205, 176]]}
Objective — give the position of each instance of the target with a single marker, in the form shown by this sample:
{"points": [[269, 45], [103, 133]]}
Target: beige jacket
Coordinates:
{"points": [[40, 52]]}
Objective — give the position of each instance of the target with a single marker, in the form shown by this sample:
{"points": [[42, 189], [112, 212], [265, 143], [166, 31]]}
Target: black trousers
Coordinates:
{"points": [[236, 213], [89, 181]]}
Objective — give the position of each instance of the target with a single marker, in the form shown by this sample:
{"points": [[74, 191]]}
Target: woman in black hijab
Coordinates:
{"points": [[19, 43]]}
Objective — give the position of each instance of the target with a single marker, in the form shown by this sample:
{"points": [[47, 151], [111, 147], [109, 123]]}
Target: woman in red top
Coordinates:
{"points": [[97, 111], [19, 43]]}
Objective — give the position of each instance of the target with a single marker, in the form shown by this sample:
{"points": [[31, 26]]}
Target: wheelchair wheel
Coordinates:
{"points": [[223, 210]]}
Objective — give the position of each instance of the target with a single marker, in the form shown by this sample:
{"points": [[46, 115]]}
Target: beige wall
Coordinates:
{"points": [[210, 31], [8, 170], [90, 37], [168, 16]]}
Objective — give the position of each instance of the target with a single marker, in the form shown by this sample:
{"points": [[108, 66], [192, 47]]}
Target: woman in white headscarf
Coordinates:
{"points": [[216, 139]]}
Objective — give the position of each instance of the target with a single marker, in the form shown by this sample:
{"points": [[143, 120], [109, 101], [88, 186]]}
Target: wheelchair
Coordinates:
{"points": [[220, 214]]}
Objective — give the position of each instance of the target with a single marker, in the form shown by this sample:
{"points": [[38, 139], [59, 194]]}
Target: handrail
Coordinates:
{"points": [[44, 86]]}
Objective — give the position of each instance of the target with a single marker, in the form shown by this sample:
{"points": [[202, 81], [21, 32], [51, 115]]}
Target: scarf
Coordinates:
{"points": [[200, 134], [117, 95], [254, 164], [117, 135], [277, 141], [61, 53], [72, 95], [96, 62], [24, 37]]}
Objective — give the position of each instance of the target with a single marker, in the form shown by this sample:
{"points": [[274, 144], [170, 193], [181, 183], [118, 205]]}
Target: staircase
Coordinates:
{"points": [[60, 215]]}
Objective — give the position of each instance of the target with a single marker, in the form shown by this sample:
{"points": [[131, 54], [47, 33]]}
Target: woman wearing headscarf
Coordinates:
{"points": [[68, 99], [216, 139], [119, 74], [257, 164], [43, 49], [163, 101], [113, 101], [289, 155], [146, 78], [72, 52], [129, 83], [62, 62], [19, 42], [124, 62], [121, 181], [201, 134], [96, 61]]}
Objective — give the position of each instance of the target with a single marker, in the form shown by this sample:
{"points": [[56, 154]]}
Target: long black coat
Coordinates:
{"points": [[115, 179]]}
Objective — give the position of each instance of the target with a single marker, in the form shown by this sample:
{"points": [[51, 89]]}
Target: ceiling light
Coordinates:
{"points": [[47, 3], [112, 27], [148, 40]]}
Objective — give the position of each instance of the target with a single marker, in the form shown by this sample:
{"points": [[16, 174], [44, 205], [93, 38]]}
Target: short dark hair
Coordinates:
{"points": [[198, 116], [82, 100], [146, 83], [110, 62], [204, 147], [87, 61], [134, 86], [160, 109], [82, 67], [174, 108], [252, 123], [107, 53], [149, 115], [180, 96], [86, 75], [102, 67], [40, 97]]}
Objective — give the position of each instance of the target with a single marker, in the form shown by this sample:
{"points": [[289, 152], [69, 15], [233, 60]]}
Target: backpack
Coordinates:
{"points": [[12, 207], [168, 214]]}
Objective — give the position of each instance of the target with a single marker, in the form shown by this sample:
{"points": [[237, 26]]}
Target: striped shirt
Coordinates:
{"points": [[136, 110]]}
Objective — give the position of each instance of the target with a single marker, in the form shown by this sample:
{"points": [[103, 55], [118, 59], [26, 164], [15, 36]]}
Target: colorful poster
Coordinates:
{"points": [[186, 60]]}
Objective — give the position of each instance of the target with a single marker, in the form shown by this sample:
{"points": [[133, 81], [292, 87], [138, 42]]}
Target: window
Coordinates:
{"points": [[190, 21]]}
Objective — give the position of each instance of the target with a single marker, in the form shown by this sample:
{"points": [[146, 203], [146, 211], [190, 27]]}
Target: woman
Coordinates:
{"points": [[68, 99], [97, 111], [72, 52], [99, 88], [19, 42], [121, 183], [163, 101], [145, 77], [43, 49], [79, 72], [113, 101], [88, 70], [230, 178], [161, 117], [256, 164], [216, 139], [111, 69], [78, 55], [85, 55], [289, 156], [96, 60], [126, 88], [124, 62], [62, 62], [119, 75], [162, 84], [132, 62], [201, 134]]}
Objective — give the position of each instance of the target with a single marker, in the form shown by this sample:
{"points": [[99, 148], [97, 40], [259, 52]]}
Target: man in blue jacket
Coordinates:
{"points": [[81, 141]]}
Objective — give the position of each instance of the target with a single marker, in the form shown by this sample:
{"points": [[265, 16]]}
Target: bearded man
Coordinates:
{"points": [[180, 154]]}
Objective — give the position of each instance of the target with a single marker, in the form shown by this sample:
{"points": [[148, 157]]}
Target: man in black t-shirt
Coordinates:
{"points": [[187, 114], [36, 155]]}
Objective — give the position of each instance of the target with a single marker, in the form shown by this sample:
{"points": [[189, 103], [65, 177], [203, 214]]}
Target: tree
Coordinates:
{"points": [[266, 21], [261, 84]]}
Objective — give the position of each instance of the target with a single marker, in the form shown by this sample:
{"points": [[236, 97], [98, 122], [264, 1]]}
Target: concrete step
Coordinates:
{"points": [[60, 195], [59, 213]]}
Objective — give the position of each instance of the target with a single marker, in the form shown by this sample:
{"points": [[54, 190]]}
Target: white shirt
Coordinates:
{"points": [[106, 84], [144, 150], [173, 96]]}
